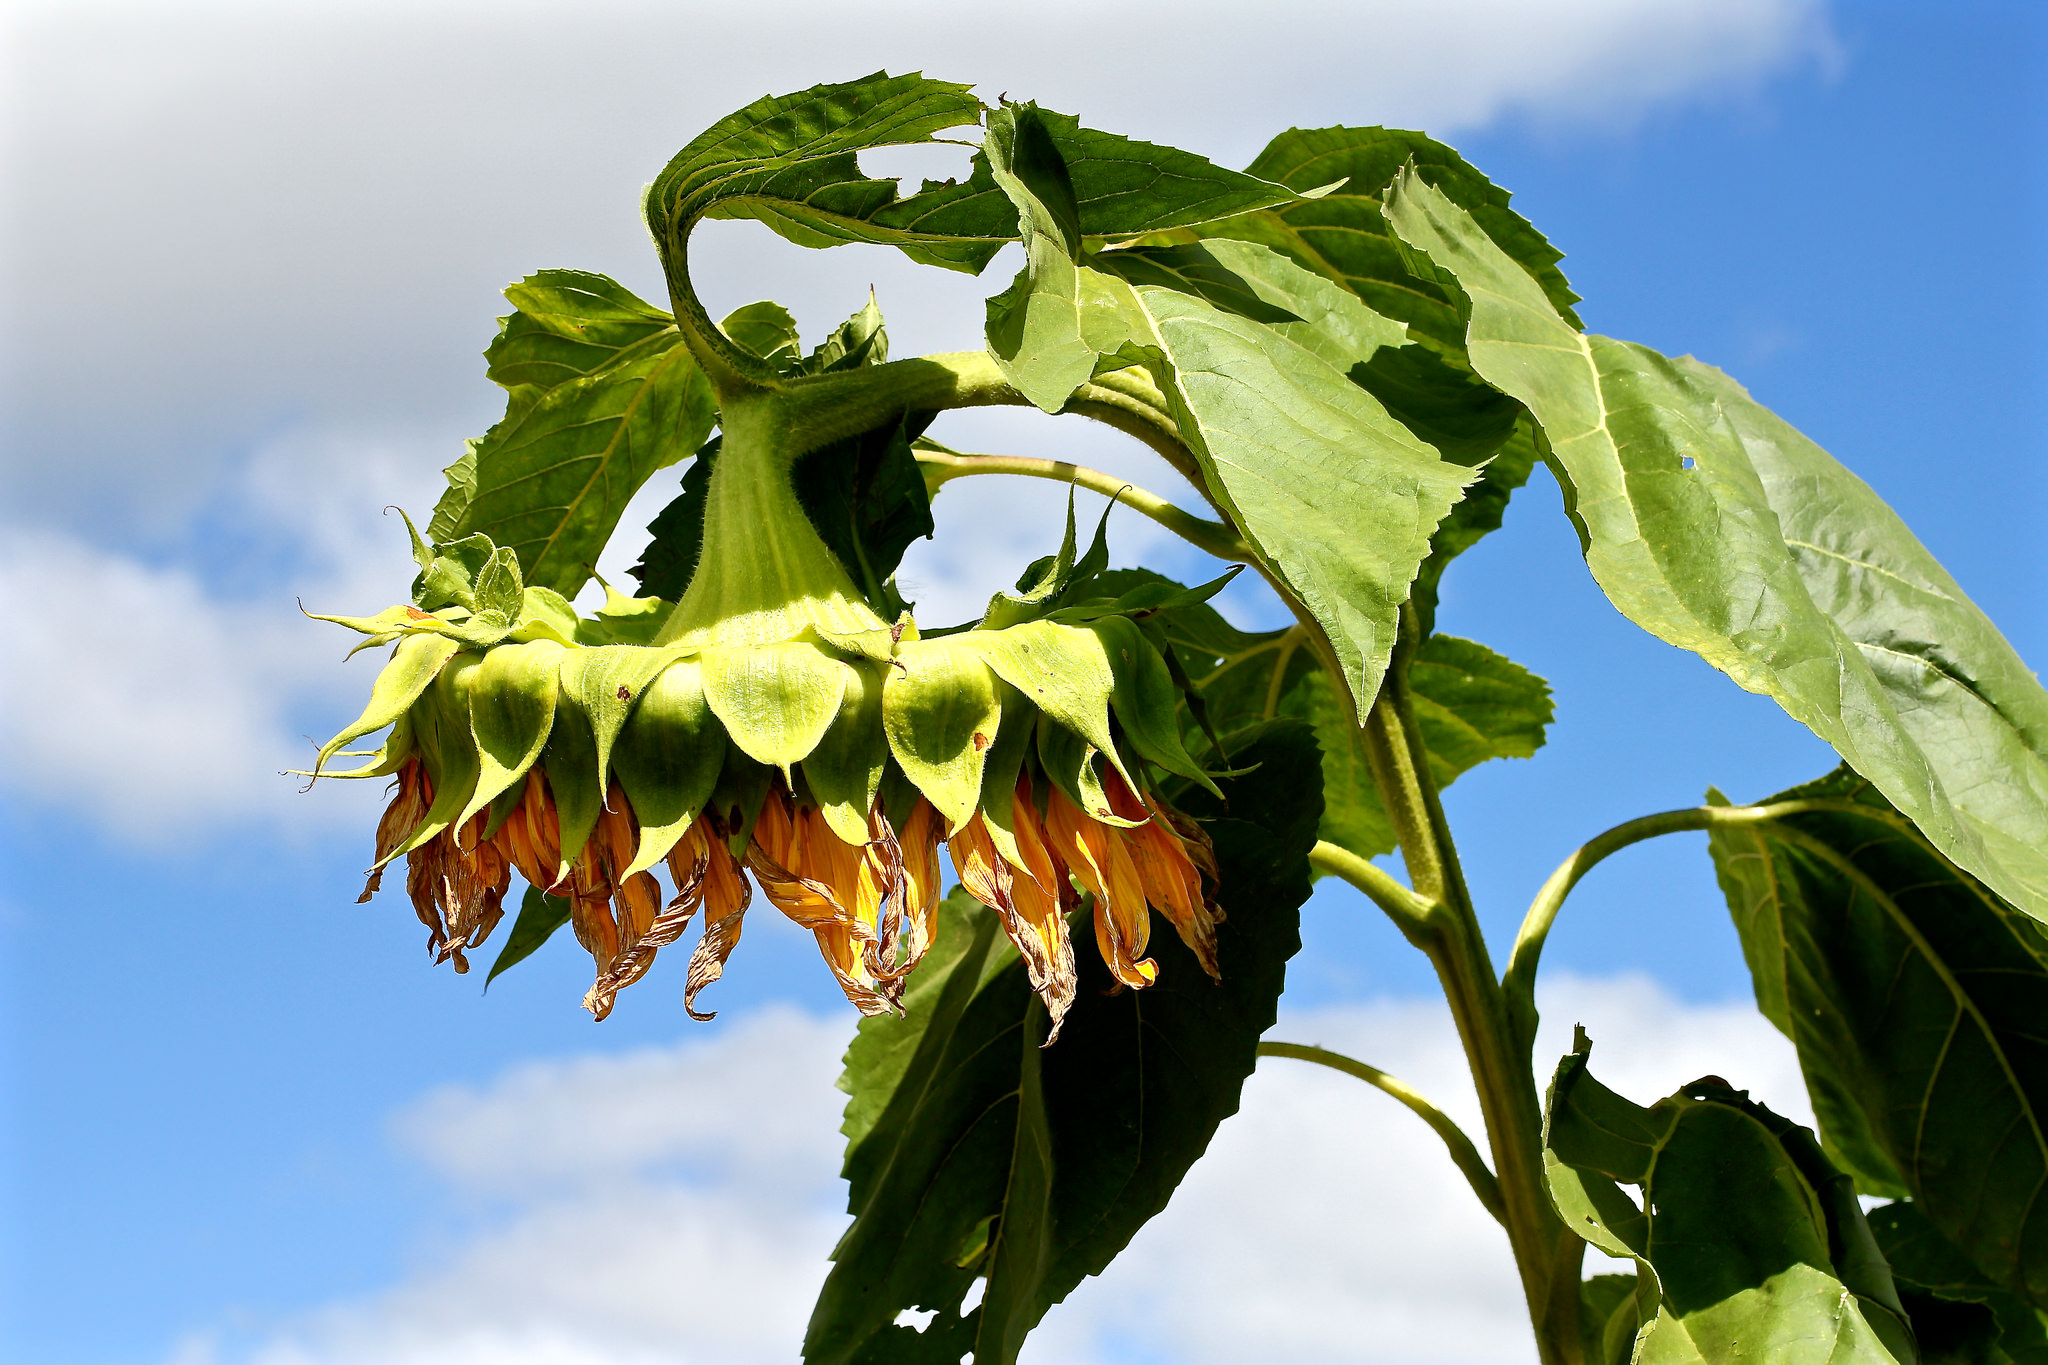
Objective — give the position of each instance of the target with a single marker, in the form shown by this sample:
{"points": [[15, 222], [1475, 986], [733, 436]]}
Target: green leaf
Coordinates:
{"points": [[1607, 1319], [1334, 495], [844, 771], [792, 162], [511, 709], [1471, 424], [972, 1153], [412, 669], [539, 916], [602, 685], [1343, 236], [1042, 329], [765, 329], [1035, 330], [1471, 703], [441, 725], [1263, 286], [1958, 1315], [1750, 1246], [550, 480], [567, 324], [940, 710], [1718, 528], [856, 343], [1915, 996], [775, 700], [668, 759], [867, 499]]}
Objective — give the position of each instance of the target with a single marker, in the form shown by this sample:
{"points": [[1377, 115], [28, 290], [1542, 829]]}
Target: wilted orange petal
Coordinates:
{"points": [[918, 843], [1100, 860], [1029, 915], [726, 895], [1168, 877]]}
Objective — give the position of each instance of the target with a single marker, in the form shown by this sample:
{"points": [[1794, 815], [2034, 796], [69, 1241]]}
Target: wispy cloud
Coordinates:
{"points": [[678, 1205]]}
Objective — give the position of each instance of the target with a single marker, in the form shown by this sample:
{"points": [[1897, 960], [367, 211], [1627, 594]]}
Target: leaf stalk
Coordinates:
{"points": [[1519, 982], [1210, 537], [1462, 1152]]}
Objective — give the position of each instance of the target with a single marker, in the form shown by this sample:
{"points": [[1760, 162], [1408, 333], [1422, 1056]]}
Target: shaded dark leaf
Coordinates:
{"points": [[973, 1153], [1916, 998], [1958, 1315]]}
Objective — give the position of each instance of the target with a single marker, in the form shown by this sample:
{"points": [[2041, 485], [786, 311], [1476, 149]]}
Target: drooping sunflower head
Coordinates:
{"points": [[826, 768]]}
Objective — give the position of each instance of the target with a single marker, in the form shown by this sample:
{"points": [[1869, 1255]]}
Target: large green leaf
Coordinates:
{"points": [[602, 394], [1749, 1245], [1471, 703], [1958, 1315], [1335, 496], [791, 161], [1344, 237], [1717, 527], [974, 1154], [1916, 998]]}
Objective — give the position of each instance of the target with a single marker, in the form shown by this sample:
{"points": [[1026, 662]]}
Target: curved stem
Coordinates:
{"points": [[942, 467], [1128, 400], [1519, 982], [1463, 1153], [732, 371], [1413, 915]]}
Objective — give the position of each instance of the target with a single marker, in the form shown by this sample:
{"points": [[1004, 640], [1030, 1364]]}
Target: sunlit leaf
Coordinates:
{"points": [[602, 394], [1714, 525]]}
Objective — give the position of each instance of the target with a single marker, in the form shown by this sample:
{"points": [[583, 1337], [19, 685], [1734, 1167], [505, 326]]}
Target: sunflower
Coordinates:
{"points": [[778, 735]]}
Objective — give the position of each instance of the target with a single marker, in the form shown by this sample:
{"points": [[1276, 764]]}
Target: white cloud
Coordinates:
{"points": [[142, 693], [334, 193], [678, 1205]]}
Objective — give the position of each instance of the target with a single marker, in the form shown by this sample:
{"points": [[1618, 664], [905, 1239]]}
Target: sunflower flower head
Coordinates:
{"points": [[771, 732]]}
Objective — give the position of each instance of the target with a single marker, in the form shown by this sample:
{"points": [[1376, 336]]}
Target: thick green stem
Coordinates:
{"points": [[763, 574], [1463, 1154], [1547, 1253], [1212, 537]]}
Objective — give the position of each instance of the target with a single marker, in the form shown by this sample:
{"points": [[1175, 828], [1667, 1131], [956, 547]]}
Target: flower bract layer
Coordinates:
{"points": [[824, 769]]}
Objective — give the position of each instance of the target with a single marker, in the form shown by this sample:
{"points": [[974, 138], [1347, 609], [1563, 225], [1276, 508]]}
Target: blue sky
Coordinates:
{"points": [[251, 255]]}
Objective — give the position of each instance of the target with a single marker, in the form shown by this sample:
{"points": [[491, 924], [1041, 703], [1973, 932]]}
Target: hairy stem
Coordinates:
{"points": [[1463, 1153], [1212, 537], [1413, 915]]}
